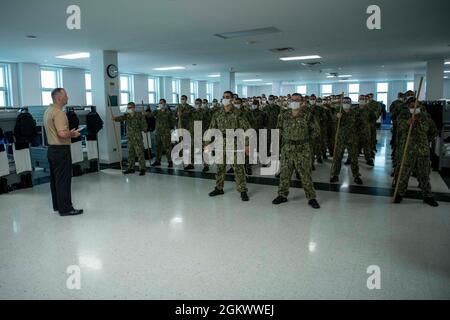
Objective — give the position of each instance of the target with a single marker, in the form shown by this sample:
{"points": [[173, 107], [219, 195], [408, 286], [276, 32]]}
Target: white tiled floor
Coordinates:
{"points": [[162, 237]]}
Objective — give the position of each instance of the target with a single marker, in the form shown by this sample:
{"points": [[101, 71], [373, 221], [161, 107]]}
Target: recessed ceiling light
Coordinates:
{"points": [[168, 68], [345, 76], [73, 56], [252, 80], [214, 76], [300, 58]]}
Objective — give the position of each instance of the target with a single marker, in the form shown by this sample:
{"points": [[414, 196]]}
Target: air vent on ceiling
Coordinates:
{"points": [[247, 33], [311, 64], [281, 50]]}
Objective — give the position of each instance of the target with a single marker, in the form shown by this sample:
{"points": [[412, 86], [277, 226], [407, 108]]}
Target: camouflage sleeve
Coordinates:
{"points": [[314, 129], [432, 129], [120, 118]]}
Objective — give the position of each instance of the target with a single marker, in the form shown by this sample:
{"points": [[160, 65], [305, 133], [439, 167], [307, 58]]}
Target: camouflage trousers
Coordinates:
{"points": [[365, 144], [421, 166], [331, 130], [136, 149], [373, 137], [323, 139], [352, 150], [163, 145], [296, 157], [239, 175]]}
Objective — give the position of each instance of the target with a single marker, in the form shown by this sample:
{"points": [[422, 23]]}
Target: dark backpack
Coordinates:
{"points": [[94, 123], [25, 126], [73, 120]]}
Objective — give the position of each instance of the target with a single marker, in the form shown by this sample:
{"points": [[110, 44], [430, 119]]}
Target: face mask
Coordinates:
{"points": [[312, 102], [237, 106], [294, 105], [197, 106], [411, 110], [271, 101], [205, 105], [254, 106], [361, 103], [346, 106], [319, 104], [225, 102], [183, 101], [160, 106], [130, 111]]}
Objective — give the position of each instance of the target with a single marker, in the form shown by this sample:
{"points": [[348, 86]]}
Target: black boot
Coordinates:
{"points": [[231, 170], [313, 168], [398, 199], [313, 203], [216, 192], [205, 169], [128, 171], [297, 175], [189, 167], [320, 160], [358, 180], [3, 185], [279, 199], [278, 175], [249, 171], [170, 164], [244, 196], [334, 179], [430, 201], [348, 162], [370, 163], [156, 164], [142, 172]]}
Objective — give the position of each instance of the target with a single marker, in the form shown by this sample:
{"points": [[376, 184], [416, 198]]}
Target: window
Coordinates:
{"points": [[125, 89], [382, 92], [152, 89], [301, 89], [194, 91], [245, 91], [209, 91], [175, 91], [353, 91], [410, 86], [327, 89], [4, 86], [88, 85], [50, 79]]}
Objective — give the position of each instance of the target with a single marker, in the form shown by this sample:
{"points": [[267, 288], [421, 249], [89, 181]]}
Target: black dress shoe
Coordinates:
{"points": [[231, 170], [430, 201], [244, 196], [313, 168], [216, 192], [128, 171], [205, 169], [398, 199], [142, 173], [170, 164], [249, 171], [334, 179], [72, 212], [156, 164], [279, 199], [313, 203], [358, 180], [348, 162], [319, 160], [189, 167], [277, 175], [370, 163], [297, 175]]}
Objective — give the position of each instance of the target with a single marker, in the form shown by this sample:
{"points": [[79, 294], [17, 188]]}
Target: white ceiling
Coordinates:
{"points": [[159, 33]]}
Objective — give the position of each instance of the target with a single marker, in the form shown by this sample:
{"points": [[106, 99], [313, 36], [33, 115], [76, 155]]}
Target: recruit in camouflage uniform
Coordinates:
{"points": [[417, 157], [222, 120], [366, 117], [394, 110], [375, 107], [272, 111], [318, 117], [164, 122], [347, 139], [184, 111], [296, 131], [332, 108], [202, 115], [135, 122]]}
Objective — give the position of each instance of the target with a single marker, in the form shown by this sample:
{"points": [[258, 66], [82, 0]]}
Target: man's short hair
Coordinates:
{"points": [[296, 95], [55, 92], [238, 99], [131, 104], [162, 99], [198, 100], [184, 96], [231, 93]]}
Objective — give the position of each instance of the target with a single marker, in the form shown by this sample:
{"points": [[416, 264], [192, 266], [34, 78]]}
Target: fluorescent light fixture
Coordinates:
{"points": [[345, 76], [301, 58], [268, 84], [168, 68], [329, 77], [73, 56], [447, 71], [252, 80], [447, 62], [214, 76], [349, 80]]}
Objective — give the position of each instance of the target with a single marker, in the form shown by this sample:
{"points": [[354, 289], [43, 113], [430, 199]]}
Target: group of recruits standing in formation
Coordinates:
{"points": [[307, 127]]}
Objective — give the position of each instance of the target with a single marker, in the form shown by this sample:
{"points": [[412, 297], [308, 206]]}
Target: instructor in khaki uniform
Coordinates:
{"points": [[59, 158]]}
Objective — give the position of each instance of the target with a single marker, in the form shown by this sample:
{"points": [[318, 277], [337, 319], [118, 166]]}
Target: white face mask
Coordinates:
{"points": [[270, 101], [237, 106], [346, 106], [320, 104], [130, 111], [312, 102], [411, 110], [205, 105], [361, 103], [183, 101], [196, 106], [225, 102], [160, 106], [294, 105]]}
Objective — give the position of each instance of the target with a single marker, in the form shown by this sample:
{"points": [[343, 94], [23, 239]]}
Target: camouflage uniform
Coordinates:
{"points": [[185, 122], [198, 115], [375, 107], [347, 139], [395, 109], [331, 127], [296, 134], [135, 125], [165, 121], [364, 129], [223, 120], [316, 144], [272, 111], [417, 158]]}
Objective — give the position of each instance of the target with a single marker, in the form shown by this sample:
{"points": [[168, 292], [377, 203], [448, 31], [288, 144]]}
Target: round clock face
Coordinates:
{"points": [[112, 71]]}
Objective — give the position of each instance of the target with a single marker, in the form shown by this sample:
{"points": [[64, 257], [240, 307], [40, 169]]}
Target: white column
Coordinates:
{"points": [[227, 82], [140, 88], [435, 79], [29, 76], [74, 84], [102, 87], [202, 89]]}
